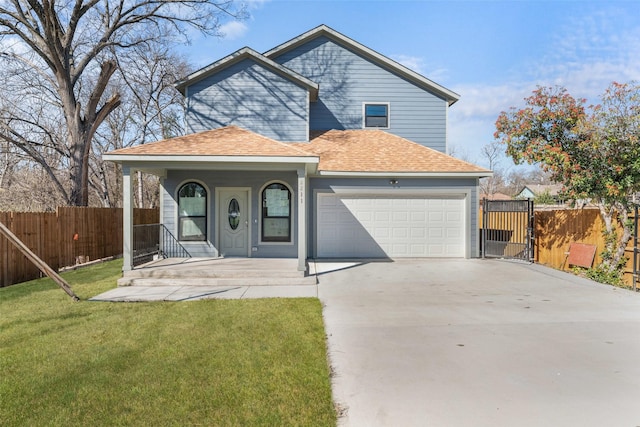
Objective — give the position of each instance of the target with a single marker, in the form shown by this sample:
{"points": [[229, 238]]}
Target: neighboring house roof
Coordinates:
{"points": [[538, 189], [230, 141], [338, 152], [383, 61], [368, 150], [240, 55], [495, 196]]}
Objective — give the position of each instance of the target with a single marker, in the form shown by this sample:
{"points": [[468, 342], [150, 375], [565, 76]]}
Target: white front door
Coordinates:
{"points": [[233, 222]]}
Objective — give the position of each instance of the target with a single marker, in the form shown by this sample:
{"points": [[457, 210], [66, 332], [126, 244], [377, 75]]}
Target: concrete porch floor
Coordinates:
{"points": [[181, 279]]}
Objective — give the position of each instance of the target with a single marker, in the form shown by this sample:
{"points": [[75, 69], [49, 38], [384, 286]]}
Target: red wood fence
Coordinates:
{"points": [[63, 238], [556, 230]]}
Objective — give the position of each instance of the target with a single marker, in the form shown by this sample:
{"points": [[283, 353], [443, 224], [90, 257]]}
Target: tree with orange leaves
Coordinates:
{"points": [[593, 151]]}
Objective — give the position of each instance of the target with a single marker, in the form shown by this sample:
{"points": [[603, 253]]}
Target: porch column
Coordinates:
{"points": [[127, 218], [302, 220]]}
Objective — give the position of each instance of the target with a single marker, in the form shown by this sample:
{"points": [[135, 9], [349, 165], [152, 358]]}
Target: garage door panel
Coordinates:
{"points": [[387, 226], [435, 233], [418, 217]]}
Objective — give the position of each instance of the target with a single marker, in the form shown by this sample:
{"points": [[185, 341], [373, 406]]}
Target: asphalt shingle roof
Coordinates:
{"points": [[226, 141], [359, 150], [365, 150]]}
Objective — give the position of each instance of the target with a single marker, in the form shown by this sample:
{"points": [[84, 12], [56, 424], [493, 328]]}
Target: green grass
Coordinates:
{"points": [[211, 362]]}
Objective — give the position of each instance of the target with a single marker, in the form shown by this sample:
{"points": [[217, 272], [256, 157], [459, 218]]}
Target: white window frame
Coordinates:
{"points": [[292, 210], [177, 210], [364, 115]]}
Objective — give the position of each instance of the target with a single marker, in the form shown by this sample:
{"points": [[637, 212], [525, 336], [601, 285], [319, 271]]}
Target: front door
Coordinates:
{"points": [[233, 222]]}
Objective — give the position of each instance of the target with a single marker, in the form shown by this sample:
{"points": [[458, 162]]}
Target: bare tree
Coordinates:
{"points": [[9, 160], [492, 154], [151, 109], [69, 52]]}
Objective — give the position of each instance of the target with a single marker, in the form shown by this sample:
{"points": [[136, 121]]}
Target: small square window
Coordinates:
{"points": [[376, 115]]}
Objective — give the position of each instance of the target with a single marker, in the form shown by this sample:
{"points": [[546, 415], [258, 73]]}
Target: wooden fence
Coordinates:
{"points": [[71, 235], [555, 230], [63, 238]]}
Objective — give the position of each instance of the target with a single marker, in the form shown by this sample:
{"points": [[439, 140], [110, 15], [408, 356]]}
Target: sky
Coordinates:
{"points": [[492, 53]]}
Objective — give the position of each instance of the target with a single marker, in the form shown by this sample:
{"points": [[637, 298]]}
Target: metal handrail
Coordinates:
{"points": [[153, 241]]}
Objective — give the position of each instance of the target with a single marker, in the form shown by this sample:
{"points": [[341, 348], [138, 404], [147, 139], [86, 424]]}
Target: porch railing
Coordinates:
{"points": [[153, 241]]}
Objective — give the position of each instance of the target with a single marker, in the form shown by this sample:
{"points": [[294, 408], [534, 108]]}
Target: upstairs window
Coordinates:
{"points": [[376, 115], [192, 212]]}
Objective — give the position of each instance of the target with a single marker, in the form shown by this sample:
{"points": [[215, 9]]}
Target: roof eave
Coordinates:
{"points": [[166, 158], [425, 174]]}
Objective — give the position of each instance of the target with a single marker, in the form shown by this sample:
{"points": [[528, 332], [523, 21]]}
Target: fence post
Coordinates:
{"points": [[635, 247], [531, 230], [38, 262], [484, 226]]}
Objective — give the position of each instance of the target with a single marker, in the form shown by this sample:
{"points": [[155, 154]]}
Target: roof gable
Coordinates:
{"points": [[240, 55], [381, 60]]}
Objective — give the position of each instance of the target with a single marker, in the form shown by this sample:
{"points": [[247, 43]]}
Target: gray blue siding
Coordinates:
{"points": [[220, 179], [252, 97], [256, 180], [347, 80]]}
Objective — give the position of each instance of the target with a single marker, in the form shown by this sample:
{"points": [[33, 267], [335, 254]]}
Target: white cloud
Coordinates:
{"points": [[255, 4], [587, 55], [591, 52], [417, 64], [488, 101], [414, 63], [233, 30]]}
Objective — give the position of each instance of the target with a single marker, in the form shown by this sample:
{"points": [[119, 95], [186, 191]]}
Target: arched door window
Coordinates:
{"points": [[276, 213], [192, 212]]}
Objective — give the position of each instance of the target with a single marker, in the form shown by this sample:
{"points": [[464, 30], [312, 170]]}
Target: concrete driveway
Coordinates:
{"points": [[479, 343]]}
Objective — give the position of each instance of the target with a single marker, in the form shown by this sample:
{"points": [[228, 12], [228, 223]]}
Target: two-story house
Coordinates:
{"points": [[319, 148]]}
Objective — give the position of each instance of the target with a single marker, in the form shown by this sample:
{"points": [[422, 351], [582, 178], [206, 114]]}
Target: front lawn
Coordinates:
{"points": [[211, 362]]}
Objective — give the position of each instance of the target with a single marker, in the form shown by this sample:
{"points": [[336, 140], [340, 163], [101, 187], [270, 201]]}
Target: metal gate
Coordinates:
{"points": [[507, 229]]}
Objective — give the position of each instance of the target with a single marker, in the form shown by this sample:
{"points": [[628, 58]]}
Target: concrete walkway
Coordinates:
{"points": [[184, 279], [480, 343], [190, 292]]}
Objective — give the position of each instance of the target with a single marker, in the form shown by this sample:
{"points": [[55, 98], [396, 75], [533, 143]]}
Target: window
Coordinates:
{"points": [[276, 213], [192, 212], [376, 115], [234, 214]]}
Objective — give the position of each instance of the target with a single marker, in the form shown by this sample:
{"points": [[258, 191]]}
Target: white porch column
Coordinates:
{"points": [[302, 219], [127, 218]]}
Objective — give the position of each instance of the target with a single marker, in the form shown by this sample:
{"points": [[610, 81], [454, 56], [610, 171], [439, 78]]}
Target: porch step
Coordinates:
{"points": [[211, 273], [217, 281], [218, 272]]}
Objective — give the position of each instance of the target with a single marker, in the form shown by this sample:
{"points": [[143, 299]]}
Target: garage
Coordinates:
{"points": [[394, 226]]}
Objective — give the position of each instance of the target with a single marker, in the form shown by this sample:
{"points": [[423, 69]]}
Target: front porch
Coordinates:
{"points": [[181, 279], [222, 193]]}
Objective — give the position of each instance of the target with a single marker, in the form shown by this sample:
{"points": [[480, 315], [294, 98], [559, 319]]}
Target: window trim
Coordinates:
{"points": [[364, 115], [178, 229], [291, 215]]}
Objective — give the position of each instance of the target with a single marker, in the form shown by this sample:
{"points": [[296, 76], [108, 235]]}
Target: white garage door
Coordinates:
{"points": [[374, 226]]}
